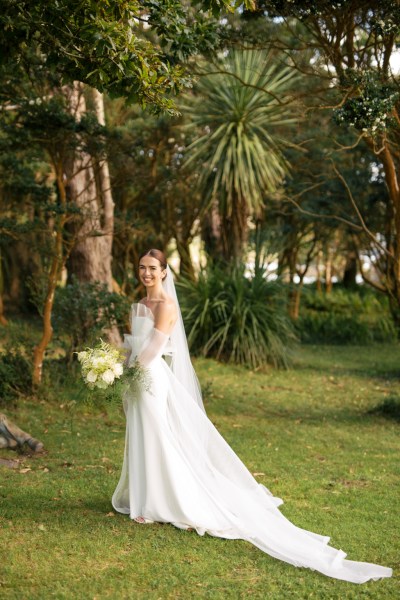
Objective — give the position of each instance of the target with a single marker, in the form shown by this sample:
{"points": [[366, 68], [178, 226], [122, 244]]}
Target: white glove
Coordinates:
{"points": [[154, 347]]}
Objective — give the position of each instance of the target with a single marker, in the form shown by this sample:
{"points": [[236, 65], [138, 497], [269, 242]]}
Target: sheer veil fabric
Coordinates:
{"points": [[181, 365], [178, 469]]}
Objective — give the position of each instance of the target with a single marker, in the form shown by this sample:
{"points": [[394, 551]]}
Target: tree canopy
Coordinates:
{"points": [[127, 48]]}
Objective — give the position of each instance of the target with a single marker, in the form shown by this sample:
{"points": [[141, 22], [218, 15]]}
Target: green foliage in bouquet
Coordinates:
{"points": [[105, 376], [236, 318]]}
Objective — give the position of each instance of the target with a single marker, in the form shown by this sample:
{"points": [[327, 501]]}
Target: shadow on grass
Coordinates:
{"points": [[34, 508], [389, 409], [350, 415], [344, 416], [377, 360], [359, 371]]}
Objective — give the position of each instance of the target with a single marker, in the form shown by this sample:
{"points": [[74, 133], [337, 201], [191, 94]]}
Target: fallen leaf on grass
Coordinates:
{"points": [[258, 474], [110, 514], [25, 470], [320, 458], [354, 482], [41, 527]]}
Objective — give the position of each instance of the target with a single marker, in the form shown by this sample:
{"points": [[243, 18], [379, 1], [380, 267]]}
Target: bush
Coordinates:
{"points": [[83, 310], [345, 317], [17, 341], [235, 318], [15, 376]]}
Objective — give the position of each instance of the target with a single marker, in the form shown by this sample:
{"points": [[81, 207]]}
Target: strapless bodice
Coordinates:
{"points": [[142, 325]]}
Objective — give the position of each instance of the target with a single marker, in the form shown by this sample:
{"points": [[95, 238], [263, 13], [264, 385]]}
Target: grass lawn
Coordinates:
{"points": [[306, 434]]}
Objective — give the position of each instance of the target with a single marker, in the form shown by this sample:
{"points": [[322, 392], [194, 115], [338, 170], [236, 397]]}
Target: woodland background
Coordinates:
{"points": [[258, 144]]}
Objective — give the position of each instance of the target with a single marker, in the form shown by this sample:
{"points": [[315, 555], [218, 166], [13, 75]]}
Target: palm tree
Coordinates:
{"points": [[239, 109]]}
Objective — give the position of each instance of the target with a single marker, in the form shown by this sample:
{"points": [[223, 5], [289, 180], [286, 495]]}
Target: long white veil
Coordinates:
{"points": [[178, 465], [181, 365]]}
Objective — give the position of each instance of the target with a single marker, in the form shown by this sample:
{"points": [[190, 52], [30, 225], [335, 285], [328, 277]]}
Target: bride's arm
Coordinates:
{"points": [[163, 324], [165, 317]]}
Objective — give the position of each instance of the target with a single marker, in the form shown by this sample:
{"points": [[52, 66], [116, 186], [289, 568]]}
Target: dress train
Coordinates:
{"points": [[178, 469]]}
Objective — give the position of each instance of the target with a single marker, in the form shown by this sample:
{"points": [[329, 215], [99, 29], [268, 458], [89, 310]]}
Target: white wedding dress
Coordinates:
{"points": [[178, 469]]}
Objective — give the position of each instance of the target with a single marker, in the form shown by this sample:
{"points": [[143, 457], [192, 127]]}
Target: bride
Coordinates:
{"points": [[178, 469]]}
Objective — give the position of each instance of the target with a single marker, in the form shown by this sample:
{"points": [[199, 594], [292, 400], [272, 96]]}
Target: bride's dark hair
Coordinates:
{"points": [[158, 255]]}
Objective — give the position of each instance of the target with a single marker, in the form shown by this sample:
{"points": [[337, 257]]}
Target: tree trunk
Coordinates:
{"points": [[90, 257], [350, 270], [234, 231], [211, 233], [23, 264], [90, 190], [105, 194], [318, 282], [3, 320], [328, 272], [294, 300], [57, 263], [392, 279], [12, 436], [186, 266]]}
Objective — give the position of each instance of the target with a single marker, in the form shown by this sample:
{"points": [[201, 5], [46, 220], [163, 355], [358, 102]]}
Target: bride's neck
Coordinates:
{"points": [[155, 294]]}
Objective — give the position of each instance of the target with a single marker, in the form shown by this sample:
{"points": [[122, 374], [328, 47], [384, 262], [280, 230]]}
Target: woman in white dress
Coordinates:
{"points": [[178, 469]]}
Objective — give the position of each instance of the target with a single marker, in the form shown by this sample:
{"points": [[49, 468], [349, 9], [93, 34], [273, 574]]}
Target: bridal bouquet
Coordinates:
{"points": [[103, 369]]}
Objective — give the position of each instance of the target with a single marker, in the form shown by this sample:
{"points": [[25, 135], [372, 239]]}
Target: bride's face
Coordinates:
{"points": [[150, 271]]}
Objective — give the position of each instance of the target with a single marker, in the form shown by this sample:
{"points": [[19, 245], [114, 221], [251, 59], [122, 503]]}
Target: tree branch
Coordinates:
{"points": [[364, 226]]}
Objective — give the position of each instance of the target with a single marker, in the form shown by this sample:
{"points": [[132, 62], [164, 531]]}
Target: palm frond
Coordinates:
{"points": [[238, 113], [233, 318]]}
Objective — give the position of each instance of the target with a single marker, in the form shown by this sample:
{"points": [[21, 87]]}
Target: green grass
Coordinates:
{"points": [[307, 434]]}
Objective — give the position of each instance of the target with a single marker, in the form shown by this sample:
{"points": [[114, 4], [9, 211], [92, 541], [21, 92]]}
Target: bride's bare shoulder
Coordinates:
{"points": [[168, 306], [170, 301], [166, 311]]}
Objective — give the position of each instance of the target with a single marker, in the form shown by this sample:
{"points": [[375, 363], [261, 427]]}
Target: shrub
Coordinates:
{"points": [[345, 317], [235, 318], [15, 376], [83, 310]]}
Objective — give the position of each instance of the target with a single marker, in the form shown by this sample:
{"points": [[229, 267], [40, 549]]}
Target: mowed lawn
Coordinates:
{"points": [[306, 433]]}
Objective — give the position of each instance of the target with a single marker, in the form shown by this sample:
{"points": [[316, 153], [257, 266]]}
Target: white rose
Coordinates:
{"points": [[101, 384], [118, 370], [82, 355], [108, 376], [91, 377]]}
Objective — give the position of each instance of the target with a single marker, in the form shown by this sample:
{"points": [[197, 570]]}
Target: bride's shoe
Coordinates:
{"points": [[142, 520]]}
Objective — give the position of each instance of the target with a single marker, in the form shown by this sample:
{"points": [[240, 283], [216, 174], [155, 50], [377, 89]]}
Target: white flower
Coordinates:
{"points": [[91, 377], [108, 376], [101, 361], [118, 370]]}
